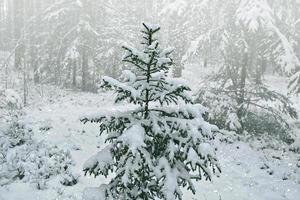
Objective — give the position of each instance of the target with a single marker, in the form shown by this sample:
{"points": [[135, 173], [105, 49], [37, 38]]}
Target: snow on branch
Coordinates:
{"points": [[254, 13]]}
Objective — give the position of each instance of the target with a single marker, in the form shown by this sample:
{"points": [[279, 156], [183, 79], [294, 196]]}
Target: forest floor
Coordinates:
{"points": [[248, 172]]}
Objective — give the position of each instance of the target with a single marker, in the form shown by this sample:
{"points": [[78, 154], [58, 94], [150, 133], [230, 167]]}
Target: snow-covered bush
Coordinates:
{"points": [[12, 132], [10, 104], [10, 99], [35, 162], [69, 178], [262, 111], [17, 134], [160, 143], [22, 157], [236, 95]]}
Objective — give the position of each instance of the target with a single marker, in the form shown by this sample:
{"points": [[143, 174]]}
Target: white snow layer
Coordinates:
{"points": [[244, 172]]}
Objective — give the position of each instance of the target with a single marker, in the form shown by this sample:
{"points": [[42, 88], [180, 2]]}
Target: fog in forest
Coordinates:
{"points": [[156, 99]]}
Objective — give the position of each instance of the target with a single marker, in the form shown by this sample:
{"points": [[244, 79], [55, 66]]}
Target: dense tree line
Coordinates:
{"points": [[72, 43]]}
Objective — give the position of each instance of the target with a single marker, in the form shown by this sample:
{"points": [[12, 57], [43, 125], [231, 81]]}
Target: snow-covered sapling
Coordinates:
{"points": [[160, 143]]}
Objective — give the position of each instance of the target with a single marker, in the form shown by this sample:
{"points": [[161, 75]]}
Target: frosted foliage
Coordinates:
{"points": [[74, 43], [94, 193], [151, 113], [294, 84], [233, 122], [194, 46], [176, 7], [22, 157], [267, 30], [155, 145], [255, 13], [100, 162], [72, 53], [10, 99], [286, 58], [34, 163]]}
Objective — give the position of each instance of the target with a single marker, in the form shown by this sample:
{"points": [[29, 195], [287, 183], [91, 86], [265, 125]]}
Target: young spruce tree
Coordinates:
{"points": [[162, 142], [237, 96]]}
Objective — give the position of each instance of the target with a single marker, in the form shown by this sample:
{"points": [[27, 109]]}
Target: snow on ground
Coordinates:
{"points": [[243, 178], [247, 174], [61, 116]]}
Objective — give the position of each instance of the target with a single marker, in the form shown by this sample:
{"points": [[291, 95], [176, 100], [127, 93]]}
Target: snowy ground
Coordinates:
{"points": [[247, 174]]}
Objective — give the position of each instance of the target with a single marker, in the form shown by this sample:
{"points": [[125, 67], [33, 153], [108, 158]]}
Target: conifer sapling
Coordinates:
{"points": [[160, 143]]}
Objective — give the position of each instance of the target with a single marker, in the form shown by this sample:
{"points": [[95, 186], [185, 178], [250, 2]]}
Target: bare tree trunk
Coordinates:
{"points": [[36, 9], [2, 23], [25, 83], [241, 92], [57, 71], [84, 69], [74, 73], [18, 25], [94, 78], [205, 63], [6, 76]]}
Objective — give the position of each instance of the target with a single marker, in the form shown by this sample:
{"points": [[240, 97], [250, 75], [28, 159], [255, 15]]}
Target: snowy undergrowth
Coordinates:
{"points": [[279, 84], [248, 172]]}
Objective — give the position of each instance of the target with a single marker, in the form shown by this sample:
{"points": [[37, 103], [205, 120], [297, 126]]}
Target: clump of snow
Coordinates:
{"points": [[93, 193], [206, 150], [133, 137], [124, 86], [255, 13], [152, 27], [128, 76], [69, 178], [99, 162], [136, 53]]}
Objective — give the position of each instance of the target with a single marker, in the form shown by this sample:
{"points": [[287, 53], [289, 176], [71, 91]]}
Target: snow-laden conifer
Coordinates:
{"points": [[160, 143]]}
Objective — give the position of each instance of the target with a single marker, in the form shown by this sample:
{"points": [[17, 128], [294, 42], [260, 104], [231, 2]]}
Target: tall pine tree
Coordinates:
{"points": [[160, 144]]}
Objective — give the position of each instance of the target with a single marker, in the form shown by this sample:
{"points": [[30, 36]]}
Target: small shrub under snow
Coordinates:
{"points": [[22, 157]]}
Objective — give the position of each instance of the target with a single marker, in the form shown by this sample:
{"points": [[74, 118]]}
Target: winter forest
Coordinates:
{"points": [[149, 99]]}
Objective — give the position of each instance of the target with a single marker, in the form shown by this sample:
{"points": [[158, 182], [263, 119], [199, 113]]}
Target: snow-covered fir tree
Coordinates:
{"points": [[237, 96], [161, 143]]}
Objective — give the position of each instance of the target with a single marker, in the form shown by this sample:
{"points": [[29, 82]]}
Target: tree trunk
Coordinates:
{"points": [[18, 25], [36, 9], [74, 73], [84, 70], [241, 95]]}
